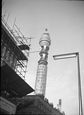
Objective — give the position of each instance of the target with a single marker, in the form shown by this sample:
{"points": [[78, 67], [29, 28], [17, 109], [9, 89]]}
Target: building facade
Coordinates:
{"points": [[13, 69]]}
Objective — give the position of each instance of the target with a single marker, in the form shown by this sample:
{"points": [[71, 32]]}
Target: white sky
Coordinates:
{"points": [[65, 23]]}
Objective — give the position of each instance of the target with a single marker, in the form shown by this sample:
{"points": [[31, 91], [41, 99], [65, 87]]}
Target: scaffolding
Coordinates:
{"points": [[14, 49]]}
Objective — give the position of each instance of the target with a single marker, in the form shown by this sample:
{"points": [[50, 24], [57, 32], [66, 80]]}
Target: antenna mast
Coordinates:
{"points": [[60, 105]]}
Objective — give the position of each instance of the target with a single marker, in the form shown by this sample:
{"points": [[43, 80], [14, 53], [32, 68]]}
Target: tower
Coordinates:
{"points": [[40, 84], [60, 105]]}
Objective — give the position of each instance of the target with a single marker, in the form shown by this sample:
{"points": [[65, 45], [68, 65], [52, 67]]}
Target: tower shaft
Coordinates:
{"points": [[41, 79]]}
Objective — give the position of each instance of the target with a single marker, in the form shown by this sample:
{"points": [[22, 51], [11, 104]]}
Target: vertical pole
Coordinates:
{"points": [[7, 17], [13, 23], [79, 86]]}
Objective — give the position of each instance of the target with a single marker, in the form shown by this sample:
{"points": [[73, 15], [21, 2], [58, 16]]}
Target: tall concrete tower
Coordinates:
{"points": [[40, 84], [60, 105]]}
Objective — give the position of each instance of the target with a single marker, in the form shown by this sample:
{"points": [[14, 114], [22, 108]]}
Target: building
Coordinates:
{"points": [[14, 62], [35, 105], [41, 76]]}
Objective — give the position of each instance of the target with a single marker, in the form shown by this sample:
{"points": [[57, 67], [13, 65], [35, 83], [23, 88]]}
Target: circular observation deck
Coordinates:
{"points": [[45, 39]]}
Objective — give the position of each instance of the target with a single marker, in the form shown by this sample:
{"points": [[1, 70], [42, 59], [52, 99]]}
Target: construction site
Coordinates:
{"points": [[14, 60], [15, 51]]}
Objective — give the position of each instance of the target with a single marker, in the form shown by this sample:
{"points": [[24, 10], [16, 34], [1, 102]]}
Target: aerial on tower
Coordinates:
{"points": [[40, 84], [60, 105]]}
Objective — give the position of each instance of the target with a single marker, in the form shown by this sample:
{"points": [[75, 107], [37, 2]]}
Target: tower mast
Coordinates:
{"points": [[40, 84]]}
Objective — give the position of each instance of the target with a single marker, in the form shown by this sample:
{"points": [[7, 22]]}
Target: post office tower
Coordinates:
{"points": [[41, 75]]}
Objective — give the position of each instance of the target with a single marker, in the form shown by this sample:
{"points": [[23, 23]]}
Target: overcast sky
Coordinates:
{"points": [[65, 23]]}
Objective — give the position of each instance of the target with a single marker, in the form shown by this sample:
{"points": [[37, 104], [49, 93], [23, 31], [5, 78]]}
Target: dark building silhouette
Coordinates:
{"points": [[35, 105], [14, 62]]}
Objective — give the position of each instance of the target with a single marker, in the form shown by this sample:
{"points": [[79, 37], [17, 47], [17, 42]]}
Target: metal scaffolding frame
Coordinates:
{"points": [[14, 49]]}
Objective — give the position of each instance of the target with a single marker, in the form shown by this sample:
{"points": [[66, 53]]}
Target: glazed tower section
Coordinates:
{"points": [[40, 84]]}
